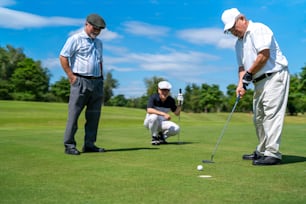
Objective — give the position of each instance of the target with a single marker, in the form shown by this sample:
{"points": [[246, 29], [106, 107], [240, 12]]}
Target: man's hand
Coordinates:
{"points": [[247, 79], [180, 99]]}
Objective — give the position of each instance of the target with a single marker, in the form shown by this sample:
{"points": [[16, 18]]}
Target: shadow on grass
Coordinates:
{"points": [[179, 143], [146, 148], [289, 159], [131, 149]]}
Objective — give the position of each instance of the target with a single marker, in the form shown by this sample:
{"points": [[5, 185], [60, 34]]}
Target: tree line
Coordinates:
{"points": [[22, 78]]}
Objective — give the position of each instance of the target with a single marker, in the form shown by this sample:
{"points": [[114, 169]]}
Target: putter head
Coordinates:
{"points": [[207, 161]]}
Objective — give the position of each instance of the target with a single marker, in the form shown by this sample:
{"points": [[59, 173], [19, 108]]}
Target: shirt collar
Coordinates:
{"points": [[83, 34], [249, 28]]}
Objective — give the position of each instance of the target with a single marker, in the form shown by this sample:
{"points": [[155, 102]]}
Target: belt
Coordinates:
{"points": [[261, 77], [88, 77]]}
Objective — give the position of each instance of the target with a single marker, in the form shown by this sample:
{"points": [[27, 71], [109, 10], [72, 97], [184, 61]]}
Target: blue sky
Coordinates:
{"points": [[182, 41]]}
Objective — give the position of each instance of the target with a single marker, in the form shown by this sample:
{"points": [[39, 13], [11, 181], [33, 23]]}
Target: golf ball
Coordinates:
{"points": [[200, 167]]}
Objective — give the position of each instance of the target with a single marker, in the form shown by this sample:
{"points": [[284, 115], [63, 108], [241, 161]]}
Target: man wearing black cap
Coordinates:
{"points": [[81, 59]]}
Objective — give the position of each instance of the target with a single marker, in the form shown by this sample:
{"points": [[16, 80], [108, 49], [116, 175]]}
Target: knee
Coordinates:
{"points": [[173, 130], [151, 119]]}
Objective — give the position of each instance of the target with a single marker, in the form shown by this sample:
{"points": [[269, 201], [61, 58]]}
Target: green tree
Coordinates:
{"points": [[118, 100], [297, 93], [192, 95], [61, 90], [245, 104], [9, 59], [187, 98], [302, 90], [6, 88], [109, 84], [210, 98], [140, 102], [302, 84], [30, 80], [152, 84]]}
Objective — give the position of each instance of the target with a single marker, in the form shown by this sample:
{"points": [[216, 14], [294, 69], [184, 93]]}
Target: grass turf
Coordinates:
{"points": [[34, 168]]}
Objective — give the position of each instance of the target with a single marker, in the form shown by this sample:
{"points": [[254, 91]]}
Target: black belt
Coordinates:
{"points": [[261, 77], [88, 77]]}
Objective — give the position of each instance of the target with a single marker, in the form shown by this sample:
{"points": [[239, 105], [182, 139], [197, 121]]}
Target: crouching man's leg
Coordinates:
{"points": [[169, 128], [153, 123]]}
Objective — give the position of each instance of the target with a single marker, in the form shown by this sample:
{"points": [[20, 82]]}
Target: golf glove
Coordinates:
{"points": [[180, 99], [247, 79]]}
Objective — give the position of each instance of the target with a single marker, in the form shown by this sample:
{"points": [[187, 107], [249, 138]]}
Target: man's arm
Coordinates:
{"points": [[178, 110], [260, 61], [157, 112], [65, 65]]}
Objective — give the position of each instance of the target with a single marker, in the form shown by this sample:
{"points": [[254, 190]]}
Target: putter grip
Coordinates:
{"points": [[180, 91]]}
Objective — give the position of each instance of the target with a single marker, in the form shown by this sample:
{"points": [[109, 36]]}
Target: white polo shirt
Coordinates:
{"points": [[84, 53], [257, 38]]}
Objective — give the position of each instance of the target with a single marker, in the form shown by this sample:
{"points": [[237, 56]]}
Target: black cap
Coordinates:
{"points": [[96, 20]]}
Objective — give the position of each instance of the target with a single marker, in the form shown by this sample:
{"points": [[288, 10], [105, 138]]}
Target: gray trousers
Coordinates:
{"points": [[269, 103], [89, 93]]}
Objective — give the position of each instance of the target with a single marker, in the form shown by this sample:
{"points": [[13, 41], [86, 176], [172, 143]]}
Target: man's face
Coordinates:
{"points": [[92, 30], [163, 93], [239, 27]]}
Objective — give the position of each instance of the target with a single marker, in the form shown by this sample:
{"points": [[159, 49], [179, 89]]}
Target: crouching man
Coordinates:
{"points": [[157, 118]]}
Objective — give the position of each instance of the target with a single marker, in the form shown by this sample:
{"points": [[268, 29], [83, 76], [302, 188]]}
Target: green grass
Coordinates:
{"points": [[34, 168]]}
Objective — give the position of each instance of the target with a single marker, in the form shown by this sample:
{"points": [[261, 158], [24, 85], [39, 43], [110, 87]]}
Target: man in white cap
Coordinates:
{"points": [[158, 118], [261, 62]]}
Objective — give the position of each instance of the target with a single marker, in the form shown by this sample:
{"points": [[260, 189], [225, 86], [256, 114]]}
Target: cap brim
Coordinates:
{"points": [[100, 27], [228, 26]]}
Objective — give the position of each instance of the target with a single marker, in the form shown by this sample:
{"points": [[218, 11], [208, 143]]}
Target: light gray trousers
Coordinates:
{"points": [[269, 104], [89, 93], [156, 123]]}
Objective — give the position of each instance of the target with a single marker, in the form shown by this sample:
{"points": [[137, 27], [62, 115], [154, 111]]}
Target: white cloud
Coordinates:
{"points": [[181, 65], [107, 35], [116, 49], [51, 63], [191, 67], [145, 29], [7, 2], [171, 59], [21, 20], [211, 36], [133, 90]]}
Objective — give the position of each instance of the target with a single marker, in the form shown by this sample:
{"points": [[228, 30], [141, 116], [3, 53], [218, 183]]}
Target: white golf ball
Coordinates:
{"points": [[200, 167]]}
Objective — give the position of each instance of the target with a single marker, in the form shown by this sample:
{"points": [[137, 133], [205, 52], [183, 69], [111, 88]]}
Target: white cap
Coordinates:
{"points": [[229, 17], [164, 85]]}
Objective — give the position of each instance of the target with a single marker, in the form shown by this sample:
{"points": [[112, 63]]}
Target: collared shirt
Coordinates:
{"points": [[257, 38], [84, 53], [156, 103]]}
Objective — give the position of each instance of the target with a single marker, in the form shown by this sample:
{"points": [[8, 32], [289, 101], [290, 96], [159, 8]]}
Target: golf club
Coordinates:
{"points": [[222, 133], [179, 120]]}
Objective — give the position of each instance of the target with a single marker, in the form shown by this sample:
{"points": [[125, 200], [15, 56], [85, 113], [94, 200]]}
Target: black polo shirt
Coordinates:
{"points": [[156, 103]]}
